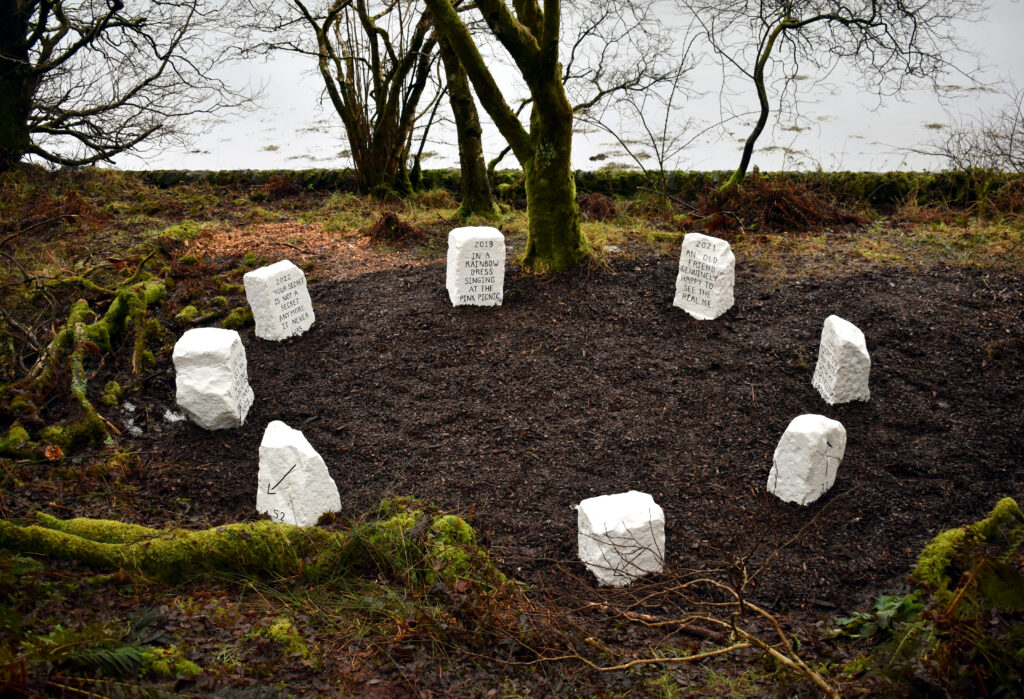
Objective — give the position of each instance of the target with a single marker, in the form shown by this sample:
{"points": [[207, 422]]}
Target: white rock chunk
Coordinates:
{"points": [[294, 486], [843, 366], [807, 458], [212, 378], [476, 266], [279, 300], [621, 536], [707, 275]]}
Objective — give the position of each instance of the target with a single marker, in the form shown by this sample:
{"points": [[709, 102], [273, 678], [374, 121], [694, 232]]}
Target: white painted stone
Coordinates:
{"points": [[841, 374], [476, 266], [621, 536], [294, 486], [707, 275], [279, 300], [806, 459], [211, 378]]}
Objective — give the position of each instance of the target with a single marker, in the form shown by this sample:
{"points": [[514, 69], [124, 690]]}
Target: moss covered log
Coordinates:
{"points": [[83, 333], [407, 545]]}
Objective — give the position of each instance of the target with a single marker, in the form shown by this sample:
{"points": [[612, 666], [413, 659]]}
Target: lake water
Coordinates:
{"points": [[841, 127]]}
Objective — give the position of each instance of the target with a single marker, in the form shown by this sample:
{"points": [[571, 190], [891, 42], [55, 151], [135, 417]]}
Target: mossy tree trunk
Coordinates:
{"points": [[477, 199], [555, 239], [17, 83]]}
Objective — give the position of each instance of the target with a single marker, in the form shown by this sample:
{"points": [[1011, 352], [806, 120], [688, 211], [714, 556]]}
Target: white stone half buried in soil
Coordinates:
{"points": [[844, 364], [293, 485], [211, 378], [476, 266], [807, 459], [707, 275], [279, 300], [621, 536]]}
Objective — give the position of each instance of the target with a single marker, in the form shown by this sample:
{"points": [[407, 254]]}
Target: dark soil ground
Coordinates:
{"points": [[593, 384]]}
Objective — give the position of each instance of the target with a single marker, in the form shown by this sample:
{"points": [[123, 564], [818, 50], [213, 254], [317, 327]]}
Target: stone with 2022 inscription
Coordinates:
{"points": [[212, 381], [279, 300], [707, 275], [293, 484], [841, 375], [476, 266]]}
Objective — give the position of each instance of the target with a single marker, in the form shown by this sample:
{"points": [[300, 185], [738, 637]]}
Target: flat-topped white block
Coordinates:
{"points": [[707, 275], [806, 459], [211, 378], [621, 536], [279, 300], [293, 485], [476, 266], [841, 374]]}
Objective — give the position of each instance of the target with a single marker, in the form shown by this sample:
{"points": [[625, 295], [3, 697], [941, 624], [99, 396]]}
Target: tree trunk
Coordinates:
{"points": [[17, 85], [555, 240], [476, 187], [762, 99]]}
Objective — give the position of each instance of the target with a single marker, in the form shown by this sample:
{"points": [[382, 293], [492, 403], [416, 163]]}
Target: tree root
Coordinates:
{"points": [[410, 547], [78, 337]]}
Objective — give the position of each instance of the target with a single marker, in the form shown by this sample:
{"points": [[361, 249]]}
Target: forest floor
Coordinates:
{"points": [[585, 384]]}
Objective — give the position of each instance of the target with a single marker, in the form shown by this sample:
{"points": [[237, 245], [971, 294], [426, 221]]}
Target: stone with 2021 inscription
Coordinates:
{"points": [[476, 266], [707, 275], [212, 381], [841, 375], [279, 300], [293, 485]]}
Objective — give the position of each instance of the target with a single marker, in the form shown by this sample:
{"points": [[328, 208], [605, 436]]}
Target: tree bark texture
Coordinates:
{"points": [[555, 240], [17, 83]]}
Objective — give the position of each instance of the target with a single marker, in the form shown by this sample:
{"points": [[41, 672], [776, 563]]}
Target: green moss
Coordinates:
{"points": [[454, 530], [168, 662], [16, 437], [186, 230], [932, 571], [187, 314], [238, 318], [112, 393], [281, 631], [56, 434], [22, 406], [188, 259], [219, 301], [232, 288]]}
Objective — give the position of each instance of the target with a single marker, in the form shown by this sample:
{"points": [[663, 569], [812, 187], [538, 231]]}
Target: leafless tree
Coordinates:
{"points": [[84, 80], [375, 58], [890, 43], [986, 142]]}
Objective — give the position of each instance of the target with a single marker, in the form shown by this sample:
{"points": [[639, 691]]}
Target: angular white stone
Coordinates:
{"points": [[621, 536], [279, 300], [293, 485], [806, 459], [212, 381], [476, 266], [841, 374], [707, 275]]}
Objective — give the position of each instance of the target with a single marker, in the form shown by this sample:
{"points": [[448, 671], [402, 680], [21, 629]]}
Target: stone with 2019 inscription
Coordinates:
{"points": [[293, 484], [279, 300], [807, 459], [212, 381], [841, 375], [476, 266], [707, 275]]}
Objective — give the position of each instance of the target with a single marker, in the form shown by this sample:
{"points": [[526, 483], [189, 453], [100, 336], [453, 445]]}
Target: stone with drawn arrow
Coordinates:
{"points": [[294, 486]]}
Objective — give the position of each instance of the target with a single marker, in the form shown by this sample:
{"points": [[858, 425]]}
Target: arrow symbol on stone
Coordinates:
{"points": [[270, 488]]}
